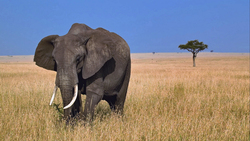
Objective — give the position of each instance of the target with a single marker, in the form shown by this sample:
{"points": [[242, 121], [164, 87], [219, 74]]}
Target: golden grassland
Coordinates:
{"points": [[167, 99]]}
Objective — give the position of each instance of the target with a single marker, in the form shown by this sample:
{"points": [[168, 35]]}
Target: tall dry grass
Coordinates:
{"points": [[167, 99]]}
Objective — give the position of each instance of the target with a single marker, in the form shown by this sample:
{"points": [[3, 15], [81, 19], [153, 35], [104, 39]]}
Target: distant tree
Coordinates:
{"points": [[194, 46], [212, 51]]}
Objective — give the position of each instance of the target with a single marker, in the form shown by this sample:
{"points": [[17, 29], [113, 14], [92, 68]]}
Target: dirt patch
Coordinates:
{"points": [[9, 59], [29, 58], [182, 55]]}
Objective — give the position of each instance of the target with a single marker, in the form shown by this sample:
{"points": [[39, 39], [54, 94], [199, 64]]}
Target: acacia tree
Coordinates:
{"points": [[194, 46]]}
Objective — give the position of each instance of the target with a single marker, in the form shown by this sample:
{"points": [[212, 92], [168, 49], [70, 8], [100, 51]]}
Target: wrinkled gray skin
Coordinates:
{"points": [[95, 59]]}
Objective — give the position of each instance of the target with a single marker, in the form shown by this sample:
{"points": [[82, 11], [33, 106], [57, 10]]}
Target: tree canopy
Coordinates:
{"points": [[194, 46]]}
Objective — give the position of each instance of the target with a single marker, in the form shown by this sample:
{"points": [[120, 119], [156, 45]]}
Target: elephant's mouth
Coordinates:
{"points": [[73, 99]]}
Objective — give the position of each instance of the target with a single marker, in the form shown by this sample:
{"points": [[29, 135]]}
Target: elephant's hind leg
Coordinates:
{"points": [[119, 103], [111, 101], [121, 97], [116, 105]]}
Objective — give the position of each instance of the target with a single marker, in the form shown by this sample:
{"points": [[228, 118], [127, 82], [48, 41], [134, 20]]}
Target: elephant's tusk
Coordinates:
{"points": [[74, 97], [53, 96]]}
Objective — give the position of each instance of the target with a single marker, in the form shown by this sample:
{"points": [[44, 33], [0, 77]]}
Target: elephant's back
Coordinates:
{"points": [[118, 46]]}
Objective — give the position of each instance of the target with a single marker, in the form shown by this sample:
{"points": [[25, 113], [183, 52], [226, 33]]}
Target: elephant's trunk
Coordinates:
{"points": [[67, 81], [74, 97], [67, 95], [66, 76]]}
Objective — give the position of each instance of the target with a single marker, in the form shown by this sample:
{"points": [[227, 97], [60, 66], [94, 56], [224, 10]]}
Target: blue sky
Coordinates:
{"points": [[146, 25]]}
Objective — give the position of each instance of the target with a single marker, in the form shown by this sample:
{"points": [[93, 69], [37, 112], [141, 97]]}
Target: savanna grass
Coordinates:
{"points": [[167, 99]]}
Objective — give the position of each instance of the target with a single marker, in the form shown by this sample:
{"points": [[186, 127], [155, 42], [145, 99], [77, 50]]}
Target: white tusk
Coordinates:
{"points": [[53, 96], [74, 97]]}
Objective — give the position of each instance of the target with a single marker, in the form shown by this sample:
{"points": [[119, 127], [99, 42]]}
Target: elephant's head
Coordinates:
{"points": [[81, 50]]}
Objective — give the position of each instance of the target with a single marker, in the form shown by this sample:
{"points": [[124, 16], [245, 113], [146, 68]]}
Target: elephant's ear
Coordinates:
{"points": [[97, 54], [43, 55]]}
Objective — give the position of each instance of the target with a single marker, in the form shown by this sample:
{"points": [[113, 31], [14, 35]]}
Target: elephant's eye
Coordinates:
{"points": [[78, 58]]}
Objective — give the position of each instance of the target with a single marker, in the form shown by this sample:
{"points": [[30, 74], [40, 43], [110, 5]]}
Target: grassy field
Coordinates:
{"points": [[168, 99]]}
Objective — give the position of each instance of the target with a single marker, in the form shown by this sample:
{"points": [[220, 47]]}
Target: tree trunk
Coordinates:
{"points": [[194, 56]]}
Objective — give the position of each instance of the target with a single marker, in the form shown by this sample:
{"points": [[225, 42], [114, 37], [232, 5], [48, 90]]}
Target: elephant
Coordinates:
{"points": [[93, 62]]}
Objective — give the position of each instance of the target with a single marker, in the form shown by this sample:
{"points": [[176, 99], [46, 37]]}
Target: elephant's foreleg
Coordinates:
{"points": [[78, 106], [91, 101]]}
